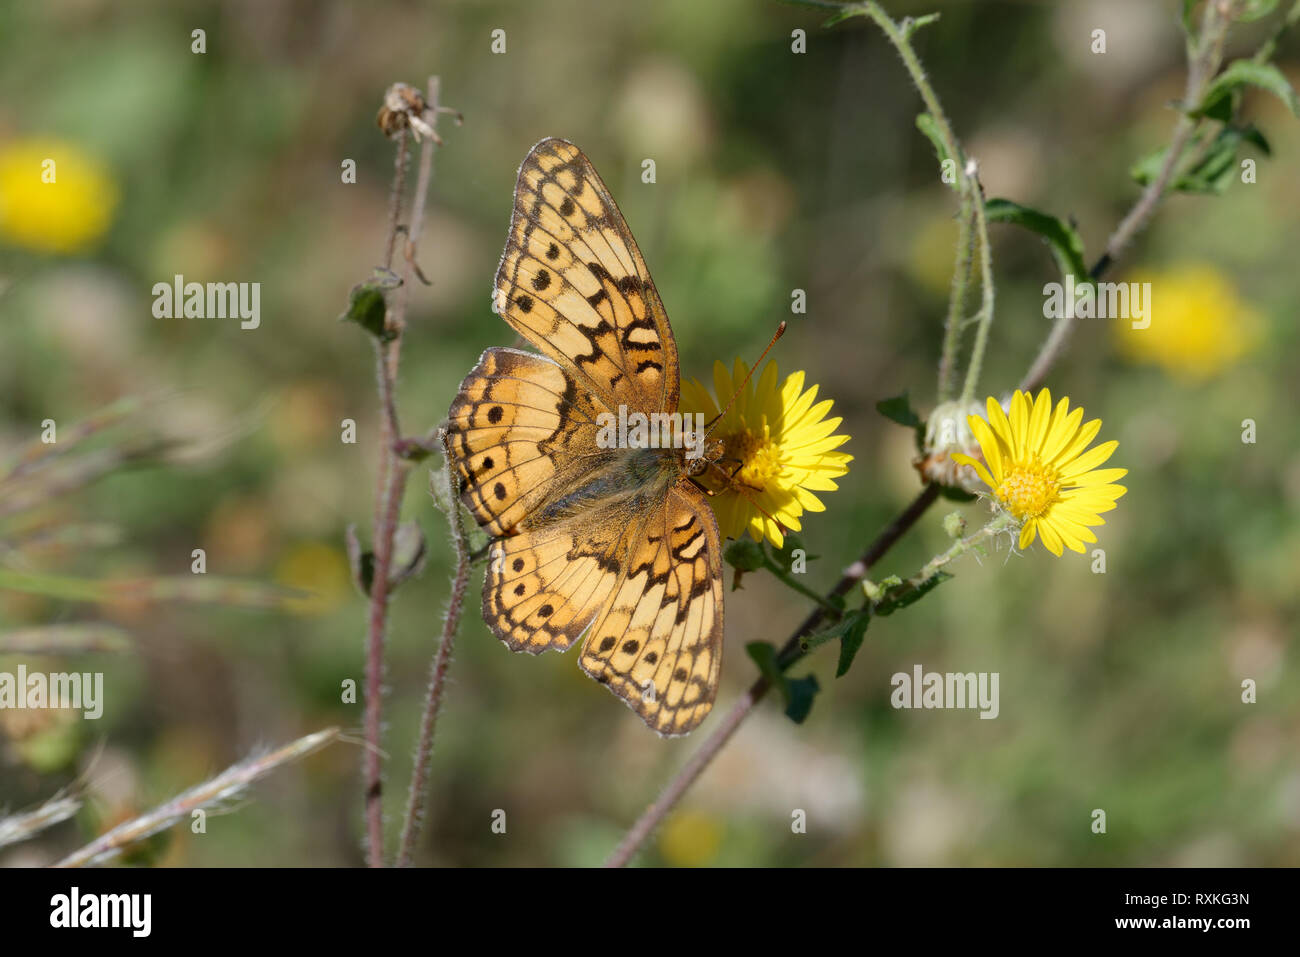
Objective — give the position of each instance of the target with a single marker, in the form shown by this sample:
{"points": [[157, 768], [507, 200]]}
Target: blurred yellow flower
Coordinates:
{"points": [[690, 839], [1039, 472], [319, 569], [778, 444], [54, 197], [1199, 325]]}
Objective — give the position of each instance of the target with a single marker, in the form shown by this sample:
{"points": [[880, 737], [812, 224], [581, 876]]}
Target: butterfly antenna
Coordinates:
{"points": [[712, 423]]}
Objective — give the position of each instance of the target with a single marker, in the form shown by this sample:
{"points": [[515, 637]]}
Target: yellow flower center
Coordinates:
{"points": [[760, 455], [1027, 489]]}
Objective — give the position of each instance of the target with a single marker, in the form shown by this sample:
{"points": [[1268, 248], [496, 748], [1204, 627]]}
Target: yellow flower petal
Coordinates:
{"points": [[1089, 460], [991, 447], [1019, 420], [977, 465], [1063, 433], [1041, 471], [1098, 477], [1038, 418], [1081, 440]]}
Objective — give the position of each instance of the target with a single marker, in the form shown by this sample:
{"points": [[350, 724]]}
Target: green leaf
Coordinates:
{"points": [[851, 642], [849, 631], [1215, 169], [892, 603], [1189, 26], [899, 409], [784, 558], [1255, 10], [764, 655], [361, 562], [1241, 73], [797, 693], [1251, 133], [909, 25], [1147, 168], [954, 494], [1220, 110], [1065, 242], [745, 554], [800, 693], [367, 306], [926, 124], [846, 12]]}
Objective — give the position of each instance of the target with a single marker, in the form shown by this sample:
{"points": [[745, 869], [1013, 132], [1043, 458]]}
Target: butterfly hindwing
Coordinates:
{"points": [[573, 283], [659, 643], [544, 587]]}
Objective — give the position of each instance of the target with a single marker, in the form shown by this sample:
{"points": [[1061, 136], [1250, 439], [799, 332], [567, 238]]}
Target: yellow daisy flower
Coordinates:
{"points": [[54, 197], [778, 444], [1039, 472]]}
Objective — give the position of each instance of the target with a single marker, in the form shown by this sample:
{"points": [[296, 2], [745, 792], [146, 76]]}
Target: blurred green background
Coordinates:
{"points": [[775, 171]]}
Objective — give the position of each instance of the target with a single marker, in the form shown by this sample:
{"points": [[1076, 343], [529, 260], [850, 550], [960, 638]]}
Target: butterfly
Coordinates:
{"points": [[614, 544]]}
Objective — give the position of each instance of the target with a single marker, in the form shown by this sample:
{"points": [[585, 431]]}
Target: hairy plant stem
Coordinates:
{"points": [[952, 323], [1000, 523], [418, 793], [393, 469], [984, 318]]}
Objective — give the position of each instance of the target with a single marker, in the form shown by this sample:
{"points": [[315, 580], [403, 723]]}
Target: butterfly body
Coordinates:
{"points": [[607, 542], [628, 481]]}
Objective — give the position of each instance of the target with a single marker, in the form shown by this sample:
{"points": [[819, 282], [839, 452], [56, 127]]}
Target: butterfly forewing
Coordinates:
{"points": [[573, 283], [520, 431]]}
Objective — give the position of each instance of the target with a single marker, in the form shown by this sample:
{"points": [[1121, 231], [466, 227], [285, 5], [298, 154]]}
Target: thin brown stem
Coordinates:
{"points": [[395, 197], [377, 625], [392, 471], [418, 793]]}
